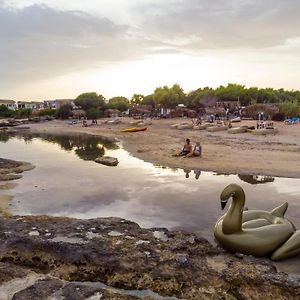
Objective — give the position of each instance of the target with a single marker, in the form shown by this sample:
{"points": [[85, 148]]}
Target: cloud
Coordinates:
{"points": [[219, 24], [39, 42]]}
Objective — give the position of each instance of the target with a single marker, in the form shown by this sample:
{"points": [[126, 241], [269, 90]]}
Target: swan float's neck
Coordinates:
{"points": [[232, 221]]}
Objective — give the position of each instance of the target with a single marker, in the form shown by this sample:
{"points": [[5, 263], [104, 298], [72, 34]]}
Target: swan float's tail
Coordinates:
{"points": [[290, 248], [280, 210]]}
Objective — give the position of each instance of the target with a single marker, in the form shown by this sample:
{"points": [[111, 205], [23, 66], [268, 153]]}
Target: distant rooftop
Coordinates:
{"points": [[7, 101]]}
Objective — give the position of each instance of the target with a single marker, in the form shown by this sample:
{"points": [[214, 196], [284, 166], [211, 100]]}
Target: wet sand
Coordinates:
{"points": [[243, 153], [5, 201]]}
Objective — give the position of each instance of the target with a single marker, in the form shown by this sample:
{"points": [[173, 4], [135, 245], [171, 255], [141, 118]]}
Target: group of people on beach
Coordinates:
{"points": [[189, 151], [85, 123]]}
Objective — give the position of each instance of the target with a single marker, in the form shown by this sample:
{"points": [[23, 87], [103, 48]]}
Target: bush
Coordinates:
{"points": [[94, 113], [290, 109], [23, 113], [45, 112], [64, 112], [6, 112], [252, 111], [278, 117]]}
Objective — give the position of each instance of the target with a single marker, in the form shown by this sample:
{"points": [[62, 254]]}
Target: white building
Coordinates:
{"points": [[34, 106], [10, 104], [57, 103]]}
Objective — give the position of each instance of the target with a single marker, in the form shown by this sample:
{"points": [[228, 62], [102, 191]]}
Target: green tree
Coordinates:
{"points": [[5, 112], [94, 113], [232, 92], [136, 99], [64, 112], [290, 109], [120, 103], [148, 100], [200, 97], [169, 97], [90, 100]]}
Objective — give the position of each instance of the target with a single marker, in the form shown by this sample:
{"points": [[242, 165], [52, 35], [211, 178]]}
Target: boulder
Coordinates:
{"points": [[216, 128], [206, 125], [107, 160], [264, 131], [114, 121], [235, 130], [185, 126], [237, 119], [175, 126]]}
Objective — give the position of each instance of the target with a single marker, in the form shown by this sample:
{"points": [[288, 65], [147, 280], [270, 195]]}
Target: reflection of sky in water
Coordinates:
{"points": [[64, 185]]}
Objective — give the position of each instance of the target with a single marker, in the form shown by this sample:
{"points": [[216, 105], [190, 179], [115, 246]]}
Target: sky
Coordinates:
{"points": [[53, 49]]}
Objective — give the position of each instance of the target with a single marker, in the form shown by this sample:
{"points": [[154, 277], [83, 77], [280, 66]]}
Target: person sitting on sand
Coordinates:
{"points": [[196, 152], [187, 149]]}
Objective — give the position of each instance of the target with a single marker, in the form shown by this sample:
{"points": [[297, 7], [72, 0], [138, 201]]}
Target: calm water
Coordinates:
{"points": [[66, 182]]}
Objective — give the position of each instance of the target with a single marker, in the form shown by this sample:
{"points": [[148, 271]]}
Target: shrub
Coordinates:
{"points": [[252, 111], [23, 113], [290, 109], [278, 117], [94, 113], [64, 112], [45, 112], [6, 112]]}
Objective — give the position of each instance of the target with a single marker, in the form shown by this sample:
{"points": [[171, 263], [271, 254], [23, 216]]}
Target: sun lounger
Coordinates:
{"points": [[292, 121]]}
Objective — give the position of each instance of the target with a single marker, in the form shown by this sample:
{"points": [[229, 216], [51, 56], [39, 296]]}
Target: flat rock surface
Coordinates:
{"points": [[112, 258], [11, 169], [107, 160]]}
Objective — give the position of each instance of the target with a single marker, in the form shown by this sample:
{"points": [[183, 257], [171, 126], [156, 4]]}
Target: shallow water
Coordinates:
{"points": [[66, 182]]}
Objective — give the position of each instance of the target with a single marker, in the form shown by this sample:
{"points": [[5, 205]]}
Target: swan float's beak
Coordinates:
{"points": [[224, 198]]}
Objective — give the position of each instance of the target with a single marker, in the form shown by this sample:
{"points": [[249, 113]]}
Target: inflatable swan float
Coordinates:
{"points": [[255, 232]]}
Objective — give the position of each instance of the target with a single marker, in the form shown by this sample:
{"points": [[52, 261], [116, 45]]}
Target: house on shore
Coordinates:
{"points": [[33, 105], [10, 104], [57, 103]]}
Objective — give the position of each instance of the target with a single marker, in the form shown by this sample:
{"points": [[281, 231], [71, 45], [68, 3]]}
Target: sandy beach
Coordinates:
{"points": [[244, 153]]}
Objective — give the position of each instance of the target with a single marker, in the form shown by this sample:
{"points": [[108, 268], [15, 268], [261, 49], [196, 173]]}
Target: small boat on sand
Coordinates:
{"points": [[134, 129]]}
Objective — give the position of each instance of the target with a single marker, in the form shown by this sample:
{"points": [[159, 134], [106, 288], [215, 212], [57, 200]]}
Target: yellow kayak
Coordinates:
{"points": [[134, 129]]}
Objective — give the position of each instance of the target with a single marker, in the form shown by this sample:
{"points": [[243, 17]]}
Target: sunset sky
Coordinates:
{"points": [[60, 48]]}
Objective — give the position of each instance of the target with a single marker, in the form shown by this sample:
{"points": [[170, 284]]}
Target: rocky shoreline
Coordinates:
{"points": [[69, 258], [11, 169]]}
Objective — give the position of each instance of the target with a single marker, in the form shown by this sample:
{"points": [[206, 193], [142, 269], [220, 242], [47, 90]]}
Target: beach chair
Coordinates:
{"points": [[291, 121]]}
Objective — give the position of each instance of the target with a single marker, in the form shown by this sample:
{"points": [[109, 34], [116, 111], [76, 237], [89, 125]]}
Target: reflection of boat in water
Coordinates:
{"points": [[256, 179], [134, 129]]}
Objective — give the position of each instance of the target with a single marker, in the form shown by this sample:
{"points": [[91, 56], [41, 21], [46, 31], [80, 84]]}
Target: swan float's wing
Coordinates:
{"points": [[280, 210], [255, 223]]}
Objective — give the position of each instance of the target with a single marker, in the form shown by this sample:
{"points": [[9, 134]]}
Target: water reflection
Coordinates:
{"points": [[86, 147], [187, 173], [197, 173], [4, 137], [256, 179]]}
